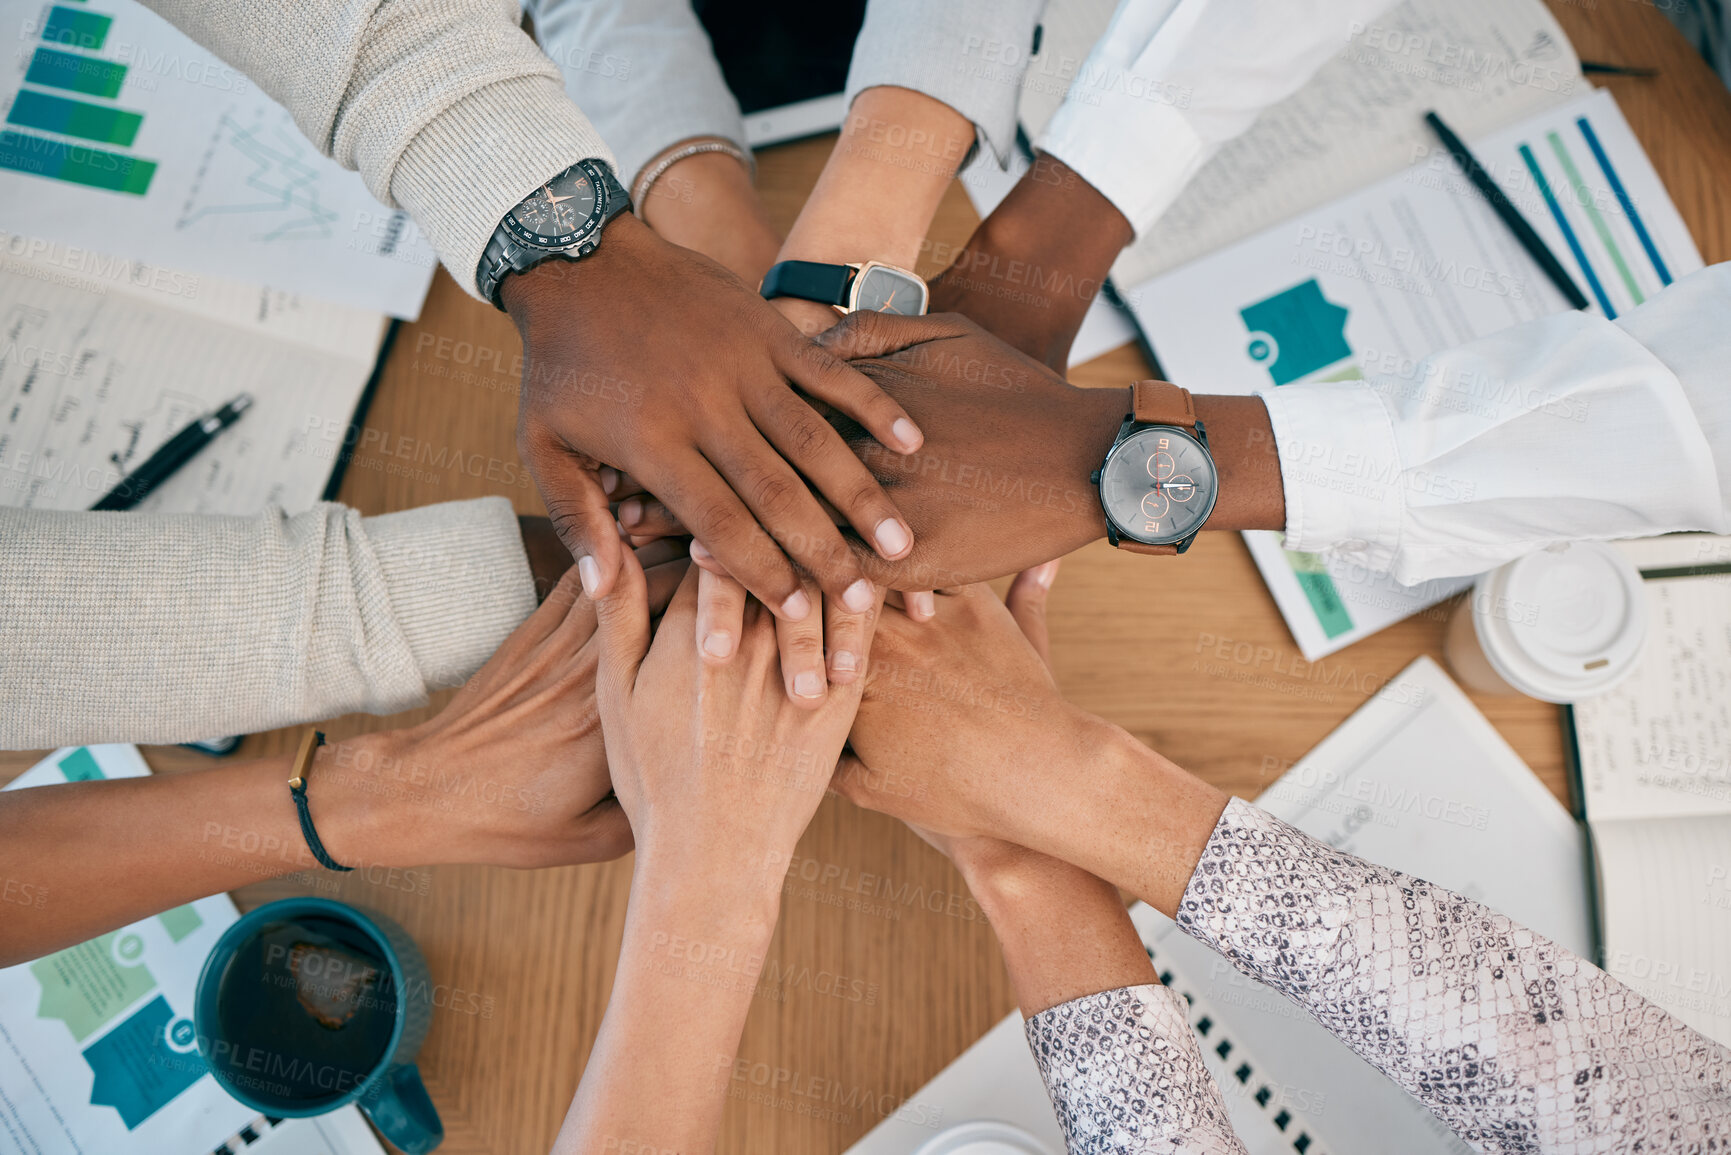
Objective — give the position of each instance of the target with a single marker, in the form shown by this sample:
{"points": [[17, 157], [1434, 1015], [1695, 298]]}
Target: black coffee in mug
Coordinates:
{"points": [[306, 1008]]}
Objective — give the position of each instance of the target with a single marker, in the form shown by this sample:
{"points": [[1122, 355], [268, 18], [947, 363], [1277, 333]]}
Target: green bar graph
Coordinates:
{"points": [[75, 164], [52, 68], [31, 109], [76, 29]]}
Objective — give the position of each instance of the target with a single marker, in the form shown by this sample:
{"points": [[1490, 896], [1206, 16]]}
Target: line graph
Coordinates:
{"points": [[266, 174]]}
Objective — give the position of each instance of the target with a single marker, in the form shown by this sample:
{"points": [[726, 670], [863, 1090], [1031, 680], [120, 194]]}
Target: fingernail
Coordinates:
{"points": [[718, 644], [907, 433], [630, 511], [859, 596], [892, 537], [609, 479], [922, 606], [808, 685], [1046, 574], [589, 573], [844, 661], [698, 552], [796, 606]]}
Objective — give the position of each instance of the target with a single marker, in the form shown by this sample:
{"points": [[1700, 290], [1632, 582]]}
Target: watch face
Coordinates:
{"points": [[558, 213], [1158, 486], [881, 289]]}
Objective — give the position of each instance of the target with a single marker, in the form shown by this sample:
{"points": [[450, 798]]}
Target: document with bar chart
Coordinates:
{"points": [[1370, 284], [127, 139]]}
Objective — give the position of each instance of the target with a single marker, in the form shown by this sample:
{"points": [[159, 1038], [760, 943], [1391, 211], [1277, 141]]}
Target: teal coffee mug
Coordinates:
{"points": [[307, 1005]]}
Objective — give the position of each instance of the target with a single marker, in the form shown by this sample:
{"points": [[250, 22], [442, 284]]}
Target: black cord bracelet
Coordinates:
{"points": [[298, 788]]}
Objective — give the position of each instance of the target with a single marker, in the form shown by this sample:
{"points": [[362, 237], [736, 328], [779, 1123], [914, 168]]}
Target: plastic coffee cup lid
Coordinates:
{"points": [[1562, 624], [984, 1137]]}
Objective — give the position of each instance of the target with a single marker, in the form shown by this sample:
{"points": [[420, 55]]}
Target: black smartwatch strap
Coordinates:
{"points": [[809, 281]]}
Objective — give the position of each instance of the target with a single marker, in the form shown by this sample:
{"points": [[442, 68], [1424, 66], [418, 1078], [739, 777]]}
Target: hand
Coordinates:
{"points": [[649, 358], [512, 772], [962, 733], [1002, 482], [717, 771], [1035, 264], [981, 858]]}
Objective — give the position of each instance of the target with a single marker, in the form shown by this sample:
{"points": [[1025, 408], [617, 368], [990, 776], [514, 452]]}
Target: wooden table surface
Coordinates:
{"points": [[878, 1000]]}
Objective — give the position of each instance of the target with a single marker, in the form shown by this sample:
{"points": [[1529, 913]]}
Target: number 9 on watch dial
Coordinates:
{"points": [[1158, 485]]}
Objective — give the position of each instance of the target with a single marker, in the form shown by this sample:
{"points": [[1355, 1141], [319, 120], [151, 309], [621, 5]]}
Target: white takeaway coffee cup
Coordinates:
{"points": [[1559, 625]]}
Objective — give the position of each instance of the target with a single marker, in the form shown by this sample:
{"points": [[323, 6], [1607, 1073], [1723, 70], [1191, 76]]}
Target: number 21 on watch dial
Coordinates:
{"points": [[1158, 485]]}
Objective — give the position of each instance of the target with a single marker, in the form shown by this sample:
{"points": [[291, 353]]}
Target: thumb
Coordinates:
{"points": [[578, 508], [868, 334], [1026, 601], [622, 634]]}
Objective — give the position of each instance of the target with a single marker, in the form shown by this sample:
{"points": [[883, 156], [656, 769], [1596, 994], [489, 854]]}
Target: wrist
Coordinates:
{"points": [[550, 287], [1099, 414], [732, 896], [355, 795], [707, 202], [1252, 493], [897, 154]]}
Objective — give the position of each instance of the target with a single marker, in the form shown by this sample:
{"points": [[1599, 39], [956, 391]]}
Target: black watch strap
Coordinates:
{"points": [[809, 281]]}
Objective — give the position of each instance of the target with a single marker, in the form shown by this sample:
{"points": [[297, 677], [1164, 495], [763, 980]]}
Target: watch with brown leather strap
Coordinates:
{"points": [[1158, 483]]}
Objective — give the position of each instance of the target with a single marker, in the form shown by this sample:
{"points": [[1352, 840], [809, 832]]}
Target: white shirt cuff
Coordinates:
{"points": [[1341, 469], [1138, 153]]}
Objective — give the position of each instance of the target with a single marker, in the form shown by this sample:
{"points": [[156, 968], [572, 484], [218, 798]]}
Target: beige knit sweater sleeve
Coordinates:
{"points": [[446, 107], [141, 627]]}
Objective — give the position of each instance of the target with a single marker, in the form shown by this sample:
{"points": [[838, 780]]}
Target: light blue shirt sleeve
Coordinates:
{"points": [[642, 70], [970, 54]]}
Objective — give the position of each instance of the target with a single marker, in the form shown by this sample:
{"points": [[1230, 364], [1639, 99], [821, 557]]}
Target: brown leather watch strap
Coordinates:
{"points": [[1162, 403], [1129, 546]]}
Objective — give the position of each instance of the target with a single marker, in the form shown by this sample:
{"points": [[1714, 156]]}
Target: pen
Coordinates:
{"points": [[175, 452], [1530, 241], [1593, 67]]}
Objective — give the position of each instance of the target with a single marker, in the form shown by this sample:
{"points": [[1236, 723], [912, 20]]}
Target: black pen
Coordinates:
{"points": [[1530, 241], [175, 452]]}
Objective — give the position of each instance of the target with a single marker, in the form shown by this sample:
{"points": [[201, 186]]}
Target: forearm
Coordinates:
{"points": [[1064, 932], [1414, 977], [105, 854], [186, 626], [659, 1072], [1101, 800], [1036, 263], [874, 201]]}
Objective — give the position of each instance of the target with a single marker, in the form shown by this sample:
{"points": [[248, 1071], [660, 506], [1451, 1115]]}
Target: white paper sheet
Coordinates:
{"points": [[1416, 779], [1371, 284], [237, 191], [1481, 64], [97, 1048], [93, 379]]}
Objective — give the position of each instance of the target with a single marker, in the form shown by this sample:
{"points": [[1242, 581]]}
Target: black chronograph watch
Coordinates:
{"points": [[870, 286], [562, 218], [1158, 483]]}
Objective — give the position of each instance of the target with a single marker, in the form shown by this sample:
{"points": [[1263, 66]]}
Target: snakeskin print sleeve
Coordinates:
{"points": [[1126, 1076], [1513, 1042]]}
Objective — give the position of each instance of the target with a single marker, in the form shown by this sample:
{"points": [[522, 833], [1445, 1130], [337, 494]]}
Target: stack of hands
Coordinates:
{"points": [[834, 635]]}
